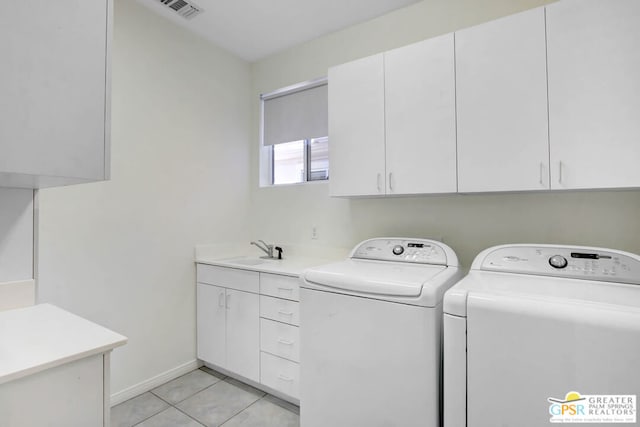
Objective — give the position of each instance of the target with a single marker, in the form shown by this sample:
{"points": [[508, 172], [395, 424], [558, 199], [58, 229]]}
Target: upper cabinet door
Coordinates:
{"points": [[356, 128], [594, 93], [420, 117], [501, 86], [53, 82]]}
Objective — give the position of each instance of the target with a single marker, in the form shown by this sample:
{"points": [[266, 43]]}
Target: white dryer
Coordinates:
{"points": [[371, 335], [543, 333]]}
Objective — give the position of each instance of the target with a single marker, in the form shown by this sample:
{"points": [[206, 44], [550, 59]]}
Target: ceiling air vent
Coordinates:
{"points": [[186, 9]]}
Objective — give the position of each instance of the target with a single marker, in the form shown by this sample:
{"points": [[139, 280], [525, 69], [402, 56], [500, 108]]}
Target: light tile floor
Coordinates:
{"points": [[205, 398]]}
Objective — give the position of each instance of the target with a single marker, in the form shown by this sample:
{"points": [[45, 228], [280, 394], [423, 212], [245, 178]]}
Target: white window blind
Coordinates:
{"points": [[295, 115]]}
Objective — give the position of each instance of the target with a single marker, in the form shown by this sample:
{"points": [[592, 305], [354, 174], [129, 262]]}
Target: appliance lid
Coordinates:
{"points": [[538, 289], [373, 277]]}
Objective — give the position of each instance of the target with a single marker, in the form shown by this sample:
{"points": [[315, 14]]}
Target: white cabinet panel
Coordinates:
{"points": [[420, 117], [53, 78], [211, 324], [69, 395], [280, 374], [279, 286], [356, 128], [243, 333], [280, 309], [280, 339], [501, 87], [242, 280], [594, 93]]}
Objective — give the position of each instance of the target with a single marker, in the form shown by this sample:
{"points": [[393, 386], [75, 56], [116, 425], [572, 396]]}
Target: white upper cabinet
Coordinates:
{"points": [[594, 93], [420, 117], [392, 122], [54, 85], [356, 128], [501, 90]]}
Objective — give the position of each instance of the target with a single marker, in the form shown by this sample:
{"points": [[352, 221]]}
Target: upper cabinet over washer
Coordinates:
{"points": [[392, 122], [547, 99], [501, 91], [54, 86], [420, 109], [356, 128], [594, 93]]}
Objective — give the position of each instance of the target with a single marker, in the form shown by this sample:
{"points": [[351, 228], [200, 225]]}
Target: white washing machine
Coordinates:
{"points": [[538, 333], [371, 335]]}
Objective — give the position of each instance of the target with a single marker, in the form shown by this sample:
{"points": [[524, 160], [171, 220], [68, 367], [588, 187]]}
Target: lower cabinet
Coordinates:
{"points": [[280, 333], [280, 374], [253, 332], [229, 329], [73, 394]]}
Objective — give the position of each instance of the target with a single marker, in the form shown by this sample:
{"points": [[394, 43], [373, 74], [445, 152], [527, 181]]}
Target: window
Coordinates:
{"points": [[295, 145]]}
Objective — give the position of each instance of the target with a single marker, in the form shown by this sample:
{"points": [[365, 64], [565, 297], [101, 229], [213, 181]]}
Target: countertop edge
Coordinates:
{"points": [[292, 267], [61, 361], [30, 331]]}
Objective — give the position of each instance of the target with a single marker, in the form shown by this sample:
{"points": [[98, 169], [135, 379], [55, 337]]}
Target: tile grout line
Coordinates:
{"points": [[242, 410], [262, 397], [153, 415], [182, 412]]}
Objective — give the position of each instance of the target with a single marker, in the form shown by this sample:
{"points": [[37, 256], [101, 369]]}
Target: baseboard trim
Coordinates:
{"points": [[151, 383]]}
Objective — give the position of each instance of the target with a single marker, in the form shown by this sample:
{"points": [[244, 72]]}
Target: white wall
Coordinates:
{"points": [[468, 223], [121, 252], [16, 234]]}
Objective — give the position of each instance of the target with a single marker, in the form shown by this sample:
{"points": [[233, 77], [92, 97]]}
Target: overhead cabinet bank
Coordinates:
{"points": [[546, 99], [54, 86]]}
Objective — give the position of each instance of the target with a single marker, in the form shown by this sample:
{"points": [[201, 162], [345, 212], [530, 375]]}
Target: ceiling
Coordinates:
{"points": [[253, 29]]}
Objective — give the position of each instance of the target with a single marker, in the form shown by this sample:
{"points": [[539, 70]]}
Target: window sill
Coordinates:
{"points": [[295, 184]]}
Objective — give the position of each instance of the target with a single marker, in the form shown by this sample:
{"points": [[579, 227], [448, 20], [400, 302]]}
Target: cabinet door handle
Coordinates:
{"points": [[541, 173], [284, 377], [378, 183], [228, 301], [285, 313], [391, 181], [285, 342], [560, 172], [221, 300]]}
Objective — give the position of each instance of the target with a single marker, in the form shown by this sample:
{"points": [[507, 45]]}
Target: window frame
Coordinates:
{"points": [[266, 153], [306, 162]]}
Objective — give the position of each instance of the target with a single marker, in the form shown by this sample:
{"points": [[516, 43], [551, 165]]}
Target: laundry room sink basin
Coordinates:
{"points": [[244, 260]]}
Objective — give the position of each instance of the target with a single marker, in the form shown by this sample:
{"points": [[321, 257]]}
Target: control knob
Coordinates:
{"points": [[397, 250], [558, 261]]}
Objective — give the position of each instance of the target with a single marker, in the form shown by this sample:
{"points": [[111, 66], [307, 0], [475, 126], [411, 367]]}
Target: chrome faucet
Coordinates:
{"points": [[268, 249]]}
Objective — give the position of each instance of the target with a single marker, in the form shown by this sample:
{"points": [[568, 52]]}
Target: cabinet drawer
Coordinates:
{"points": [[279, 309], [280, 286], [280, 339], [280, 374], [232, 278]]}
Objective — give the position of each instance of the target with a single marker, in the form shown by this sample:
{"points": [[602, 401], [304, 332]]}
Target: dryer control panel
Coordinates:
{"points": [[560, 261], [421, 251]]}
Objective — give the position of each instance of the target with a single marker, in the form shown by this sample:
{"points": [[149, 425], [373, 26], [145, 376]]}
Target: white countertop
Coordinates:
{"points": [[289, 266], [44, 336]]}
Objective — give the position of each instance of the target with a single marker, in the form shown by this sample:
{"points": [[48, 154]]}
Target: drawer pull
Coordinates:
{"points": [[221, 300], [285, 378], [285, 289], [285, 313], [285, 342]]}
